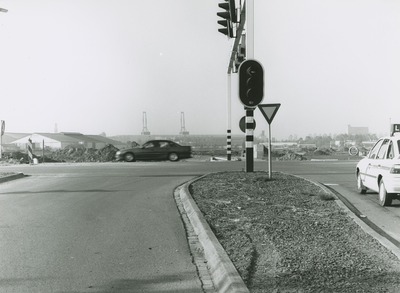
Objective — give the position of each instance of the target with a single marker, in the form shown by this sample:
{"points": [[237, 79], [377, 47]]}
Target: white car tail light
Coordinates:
{"points": [[395, 169]]}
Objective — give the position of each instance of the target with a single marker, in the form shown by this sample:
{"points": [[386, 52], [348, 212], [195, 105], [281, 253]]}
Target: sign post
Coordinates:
{"points": [[269, 112], [3, 125], [30, 151]]}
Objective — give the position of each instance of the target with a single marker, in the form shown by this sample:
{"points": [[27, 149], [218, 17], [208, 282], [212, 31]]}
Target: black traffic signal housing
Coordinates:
{"points": [[251, 83], [229, 17]]}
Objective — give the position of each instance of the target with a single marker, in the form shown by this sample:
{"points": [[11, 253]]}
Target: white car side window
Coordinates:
{"points": [[383, 149], [390, 152], [374, 150]]}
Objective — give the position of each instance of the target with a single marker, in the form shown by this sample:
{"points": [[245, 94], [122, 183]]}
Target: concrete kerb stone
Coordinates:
{"points": [[223, 273], [11, 177]]}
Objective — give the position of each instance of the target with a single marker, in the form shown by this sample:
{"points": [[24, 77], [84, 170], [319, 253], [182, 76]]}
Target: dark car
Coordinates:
{"points": [[155, 150]]}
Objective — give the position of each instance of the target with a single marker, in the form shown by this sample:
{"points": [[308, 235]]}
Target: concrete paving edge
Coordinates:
{"points": [[11, 177], [223, 273]]}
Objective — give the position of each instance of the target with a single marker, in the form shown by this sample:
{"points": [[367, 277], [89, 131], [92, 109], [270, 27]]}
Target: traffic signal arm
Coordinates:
{"points": [[239, 32]]}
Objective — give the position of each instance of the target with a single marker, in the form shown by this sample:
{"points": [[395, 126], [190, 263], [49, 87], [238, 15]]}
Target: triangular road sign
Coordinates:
{"points": [[269, 111]]}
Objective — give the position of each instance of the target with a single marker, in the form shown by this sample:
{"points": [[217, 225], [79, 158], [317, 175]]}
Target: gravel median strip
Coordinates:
{"points": [[288, 235]]}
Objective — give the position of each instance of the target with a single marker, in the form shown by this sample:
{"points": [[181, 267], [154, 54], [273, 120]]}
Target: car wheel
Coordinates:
{"points": [[360, 186], [173, 157], [385, 199], [129, 157]]}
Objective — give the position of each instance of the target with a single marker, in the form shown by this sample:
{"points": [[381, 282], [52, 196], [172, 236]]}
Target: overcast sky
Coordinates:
{"points": [[95, 66]]}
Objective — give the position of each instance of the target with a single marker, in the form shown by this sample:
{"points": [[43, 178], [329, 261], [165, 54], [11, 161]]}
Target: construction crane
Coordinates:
{"points": [[145, 131], [183, 130]]}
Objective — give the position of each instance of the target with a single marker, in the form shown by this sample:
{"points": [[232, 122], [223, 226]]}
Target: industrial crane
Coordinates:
{"points": [[145, 131], [183, 130]]}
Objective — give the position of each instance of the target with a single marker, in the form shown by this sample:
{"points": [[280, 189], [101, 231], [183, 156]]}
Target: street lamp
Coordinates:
{"points": [[3, 10]]}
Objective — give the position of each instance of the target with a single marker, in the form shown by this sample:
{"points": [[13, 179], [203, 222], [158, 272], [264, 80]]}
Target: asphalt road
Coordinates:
{"points": [[114, 227], [94, 228]]}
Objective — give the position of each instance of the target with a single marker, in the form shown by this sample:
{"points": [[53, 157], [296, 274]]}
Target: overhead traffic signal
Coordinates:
{"points": [[251, 83], [229, 17]]}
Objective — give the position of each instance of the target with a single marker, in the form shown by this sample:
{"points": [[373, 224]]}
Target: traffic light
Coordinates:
{"points": [[251, 83], [229, 16]]}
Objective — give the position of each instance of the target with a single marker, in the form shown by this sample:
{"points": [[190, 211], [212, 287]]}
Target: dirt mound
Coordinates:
{"points": [[68, 154], [291, 156], [323, 151], [82, 154]]}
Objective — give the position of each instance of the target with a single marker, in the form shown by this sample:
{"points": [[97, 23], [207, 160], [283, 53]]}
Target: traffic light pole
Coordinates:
{"points": [[249, 29], [249, 139], [235, 46], [229, 122]]}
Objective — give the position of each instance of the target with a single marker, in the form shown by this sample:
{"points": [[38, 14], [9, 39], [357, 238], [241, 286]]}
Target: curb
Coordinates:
{"points": [[11, 177], [223, 273]]}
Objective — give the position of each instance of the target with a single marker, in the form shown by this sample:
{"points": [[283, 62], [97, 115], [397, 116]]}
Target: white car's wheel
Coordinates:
{"points": [[360, 186], [385, 199]]}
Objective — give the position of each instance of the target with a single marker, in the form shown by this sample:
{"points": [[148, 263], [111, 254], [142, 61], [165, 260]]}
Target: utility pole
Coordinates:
{"points": [[249, 29]]}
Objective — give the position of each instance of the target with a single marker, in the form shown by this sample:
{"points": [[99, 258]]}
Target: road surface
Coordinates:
{"points": [[114, 227]]}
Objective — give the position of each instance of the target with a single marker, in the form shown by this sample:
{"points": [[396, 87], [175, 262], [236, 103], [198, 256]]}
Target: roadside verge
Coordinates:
{"points": [[305, 240]]}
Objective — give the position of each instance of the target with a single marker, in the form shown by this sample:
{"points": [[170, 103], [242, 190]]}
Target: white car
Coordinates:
{"points": [[380, 170]]}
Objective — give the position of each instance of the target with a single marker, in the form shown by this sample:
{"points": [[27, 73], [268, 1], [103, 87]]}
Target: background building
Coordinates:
{"points": [[357, 130]]}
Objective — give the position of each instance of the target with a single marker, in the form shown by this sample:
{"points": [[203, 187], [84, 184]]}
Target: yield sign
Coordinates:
{"points": [[269, 111]]}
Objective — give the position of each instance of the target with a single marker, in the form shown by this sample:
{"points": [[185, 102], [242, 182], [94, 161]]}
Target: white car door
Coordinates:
{"points": [[376, 166]]}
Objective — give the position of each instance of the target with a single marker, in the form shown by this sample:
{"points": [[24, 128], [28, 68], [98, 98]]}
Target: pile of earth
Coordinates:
{"points": [[12, 158], [323, 151], [68, 154], [82, 154], [291, 156]]}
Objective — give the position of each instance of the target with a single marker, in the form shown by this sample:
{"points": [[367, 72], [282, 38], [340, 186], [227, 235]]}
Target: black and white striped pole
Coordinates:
{"points": [[249, 139], [229, 122], [30, 151]]}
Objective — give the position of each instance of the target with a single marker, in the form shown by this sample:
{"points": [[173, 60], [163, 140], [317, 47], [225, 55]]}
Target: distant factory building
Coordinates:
{"points": [[357, 130]]}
